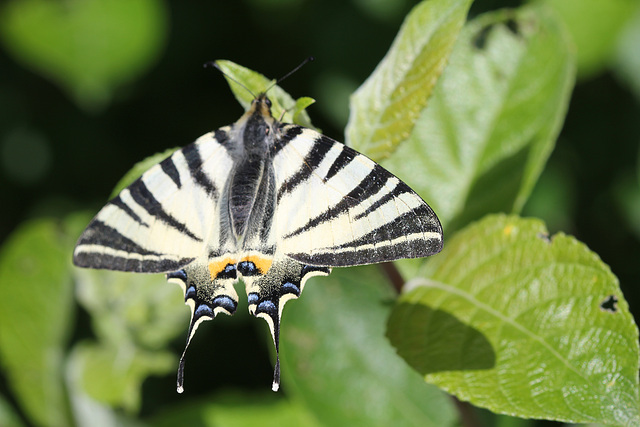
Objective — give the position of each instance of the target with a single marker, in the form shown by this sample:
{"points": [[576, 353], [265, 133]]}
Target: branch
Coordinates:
{"points": [[393, 274]]}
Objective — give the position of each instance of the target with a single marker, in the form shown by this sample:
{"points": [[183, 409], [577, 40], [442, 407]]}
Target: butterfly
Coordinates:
{"points": [[267, 202]]}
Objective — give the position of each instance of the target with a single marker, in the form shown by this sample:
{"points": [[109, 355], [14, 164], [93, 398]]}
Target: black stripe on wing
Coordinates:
{"points": [[169, 168], [416, 248], [98, 233], [117, 201], [375, 180], [400, 189], [222, 136], [310, 162], [194, 162], [134, 258], [344, 158], [385, 242], [378, 245], [288, 133], [418, 220], [143, 197], [118, 263]]}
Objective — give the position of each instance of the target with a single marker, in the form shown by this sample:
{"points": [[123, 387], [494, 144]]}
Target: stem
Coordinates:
{"points": [[393, 274], [468, 417]]}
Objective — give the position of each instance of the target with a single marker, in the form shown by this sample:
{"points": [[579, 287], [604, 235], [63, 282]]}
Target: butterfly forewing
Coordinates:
{"points": [[344, 209], [165, 219]]}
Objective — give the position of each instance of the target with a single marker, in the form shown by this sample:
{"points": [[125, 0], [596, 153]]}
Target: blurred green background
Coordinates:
{"points": [[90, 87]]}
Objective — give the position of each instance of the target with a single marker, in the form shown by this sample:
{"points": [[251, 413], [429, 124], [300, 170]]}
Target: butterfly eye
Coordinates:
{"points": [[268, 102], [266, 131]]}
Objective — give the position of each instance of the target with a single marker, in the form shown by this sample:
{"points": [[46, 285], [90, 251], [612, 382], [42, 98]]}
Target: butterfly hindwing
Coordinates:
{"points": [[343, 209], [165, 219], [208, 290], [268, 293]]}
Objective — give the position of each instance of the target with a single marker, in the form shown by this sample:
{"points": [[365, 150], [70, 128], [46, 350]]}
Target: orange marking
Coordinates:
{"points": [[262, 264], [216, 267]]}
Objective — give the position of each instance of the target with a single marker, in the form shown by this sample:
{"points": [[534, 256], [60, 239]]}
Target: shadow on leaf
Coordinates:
{"points": [[432, 341], [495, 190]]}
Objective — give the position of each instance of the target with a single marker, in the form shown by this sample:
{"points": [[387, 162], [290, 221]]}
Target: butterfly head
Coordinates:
{"points": [[257, 125]]}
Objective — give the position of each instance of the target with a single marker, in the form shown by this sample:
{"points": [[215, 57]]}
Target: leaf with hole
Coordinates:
{"points": [[493, 118], [522, 324]]}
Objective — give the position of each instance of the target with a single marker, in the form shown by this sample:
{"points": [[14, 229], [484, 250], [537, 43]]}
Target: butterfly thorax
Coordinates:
{"points": [[251, 186]]}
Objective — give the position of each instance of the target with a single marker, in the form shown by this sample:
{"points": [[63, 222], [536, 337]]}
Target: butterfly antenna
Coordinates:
{"points": [[303, 63], [213, 64]]}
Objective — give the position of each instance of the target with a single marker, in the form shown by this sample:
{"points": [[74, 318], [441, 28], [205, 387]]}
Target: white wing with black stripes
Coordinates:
{"points": [[338, 208], [272, 204], [165, 219]]}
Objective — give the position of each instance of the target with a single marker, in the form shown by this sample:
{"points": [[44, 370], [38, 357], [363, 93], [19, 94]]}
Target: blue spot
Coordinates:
{"points": [[190, 293], [180, 274], [229, 272], [203, 310], [225, 302], [290, 288], [252, 298], [266, 306], [246, 268]]}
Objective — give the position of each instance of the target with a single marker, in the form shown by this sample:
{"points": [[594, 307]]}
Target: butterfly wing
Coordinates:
{"points": [[268, 293], [336, 207], [207, 296], [159, 223]]}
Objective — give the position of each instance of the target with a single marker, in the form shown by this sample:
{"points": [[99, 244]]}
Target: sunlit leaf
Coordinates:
{"points": [[385, 108], [522, 324], [284, 106], [493, 118]]}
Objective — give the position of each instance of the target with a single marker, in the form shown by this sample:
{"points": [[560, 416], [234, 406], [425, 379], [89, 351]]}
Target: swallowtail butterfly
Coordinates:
{"points": [[267, 202]]}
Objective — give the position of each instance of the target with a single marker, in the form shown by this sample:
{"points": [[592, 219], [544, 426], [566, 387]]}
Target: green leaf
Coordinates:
{"points": [[36, 308], [299, 111], [335, 357], [233, 409], [132, 308], [113, 374], [255, 83], [134, 316], [493, 119], [521, 324], [627, 56], [595, 27], [8, 417], [139, 168], [385, 108], [88, 47]]}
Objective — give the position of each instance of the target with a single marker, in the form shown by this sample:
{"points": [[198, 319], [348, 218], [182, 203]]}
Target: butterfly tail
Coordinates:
{"points": [[222, 298], [267, 295]]}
